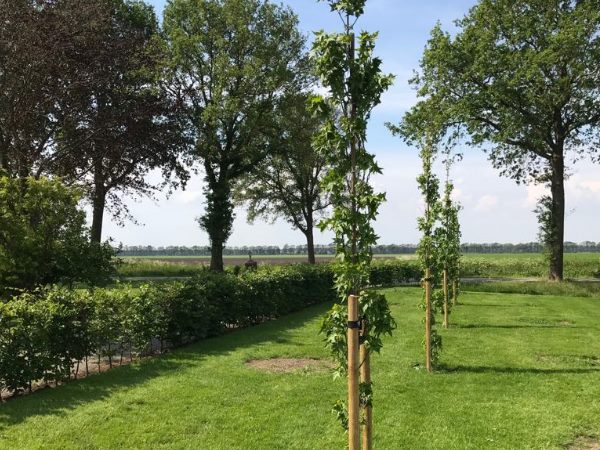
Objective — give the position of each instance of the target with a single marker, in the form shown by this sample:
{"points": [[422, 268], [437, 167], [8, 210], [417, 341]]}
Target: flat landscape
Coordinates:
{"points": [[518, 265], [517, 372]]}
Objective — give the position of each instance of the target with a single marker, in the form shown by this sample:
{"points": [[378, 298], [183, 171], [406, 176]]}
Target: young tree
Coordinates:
{"points": [[128, 125], [352, 75], [428, 251], [448, 242], [232, 60], [521, 79], [287, 183]]}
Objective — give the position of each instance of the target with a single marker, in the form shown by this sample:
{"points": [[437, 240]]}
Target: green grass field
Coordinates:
{"points": [[577, 265], [519, 372]]}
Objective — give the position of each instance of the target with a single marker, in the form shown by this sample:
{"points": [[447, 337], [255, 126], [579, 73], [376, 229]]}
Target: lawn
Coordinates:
{"points": [[519, 372]]}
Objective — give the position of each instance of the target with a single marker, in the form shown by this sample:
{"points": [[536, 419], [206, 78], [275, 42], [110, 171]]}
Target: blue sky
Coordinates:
{"points": [[494, 209]]}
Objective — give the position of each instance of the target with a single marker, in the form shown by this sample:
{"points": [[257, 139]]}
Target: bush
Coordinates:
{"points": [[43, 334], [43, 237]]}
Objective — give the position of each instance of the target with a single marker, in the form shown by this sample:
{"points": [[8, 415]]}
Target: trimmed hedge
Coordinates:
{"points": [[45, 334]]}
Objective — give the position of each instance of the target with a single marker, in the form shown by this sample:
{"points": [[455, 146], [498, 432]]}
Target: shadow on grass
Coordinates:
{"points": [[500, 305], [60, 400], [508, 327], [517, 370]]}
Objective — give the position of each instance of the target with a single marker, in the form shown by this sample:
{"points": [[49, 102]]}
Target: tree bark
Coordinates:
{"points": [[558, 218], [310, 241], [216, 255], [98, 202]]}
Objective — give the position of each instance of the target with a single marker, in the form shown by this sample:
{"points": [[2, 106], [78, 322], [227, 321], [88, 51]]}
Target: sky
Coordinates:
{"points": [[495, 209]]}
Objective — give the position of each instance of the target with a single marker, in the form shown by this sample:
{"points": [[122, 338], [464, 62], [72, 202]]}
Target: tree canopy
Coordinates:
{"points": [[519, 79], [231, 61]]}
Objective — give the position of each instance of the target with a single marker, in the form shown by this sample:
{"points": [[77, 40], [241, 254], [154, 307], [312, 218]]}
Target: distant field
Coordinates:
{"points": [[577, 265]]}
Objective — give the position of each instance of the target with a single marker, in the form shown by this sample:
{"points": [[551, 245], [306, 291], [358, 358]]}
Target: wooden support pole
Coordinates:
{"points": [[365, 377], [428, 320], [353, 369], [446, 299], [455, 293]]}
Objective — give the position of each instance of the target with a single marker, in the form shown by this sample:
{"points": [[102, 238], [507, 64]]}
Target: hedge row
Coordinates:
{"points": [[46, 334], [43, 335]]}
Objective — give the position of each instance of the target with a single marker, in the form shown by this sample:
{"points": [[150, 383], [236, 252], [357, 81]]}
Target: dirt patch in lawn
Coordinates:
{"points": [[290, 365], [585, 443]]}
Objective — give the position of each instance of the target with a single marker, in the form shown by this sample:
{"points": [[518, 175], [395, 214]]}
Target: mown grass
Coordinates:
{"points": [[567, 288], [518, 372]]}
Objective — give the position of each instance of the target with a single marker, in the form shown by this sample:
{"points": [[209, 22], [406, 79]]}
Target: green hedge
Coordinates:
{"points": [[44, 334]]}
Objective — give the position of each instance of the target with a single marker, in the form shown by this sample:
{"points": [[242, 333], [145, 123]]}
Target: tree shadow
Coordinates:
{"points": [[60, 400], [508, 326], [515, 370], [499, 305]]}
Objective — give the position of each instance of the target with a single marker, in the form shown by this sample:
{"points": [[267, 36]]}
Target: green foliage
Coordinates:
{"points": [[428, 250], [287, 183], [547, 225], [352, 74], [519, 79], [231, 61], [43, 236], [449, 234], [43, 334]]}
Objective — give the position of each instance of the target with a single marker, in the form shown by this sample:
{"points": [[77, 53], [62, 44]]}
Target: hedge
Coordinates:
{"points": [[45, 334]]}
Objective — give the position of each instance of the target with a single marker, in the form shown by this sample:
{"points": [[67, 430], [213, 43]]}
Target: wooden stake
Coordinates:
{"points": [[428, 320], [365, 377], [353, 384], [446, 312], [455, 293]]}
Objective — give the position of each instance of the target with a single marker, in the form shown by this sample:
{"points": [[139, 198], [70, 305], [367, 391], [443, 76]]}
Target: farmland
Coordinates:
{"points": [[514, 375], [578, 265]]}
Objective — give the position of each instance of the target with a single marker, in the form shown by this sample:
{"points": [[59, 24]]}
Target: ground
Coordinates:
{"points": [[517, 372]]}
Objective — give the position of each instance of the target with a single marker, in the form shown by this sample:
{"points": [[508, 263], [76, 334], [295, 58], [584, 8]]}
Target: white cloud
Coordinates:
{"points": [[486, 203], [188, 197], [534, 193]]}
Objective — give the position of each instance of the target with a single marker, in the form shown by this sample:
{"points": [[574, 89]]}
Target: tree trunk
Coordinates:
{"points": [[216, 256], [558, 218], [446, 306], [310, 241], [428, 324], [98, 203], [217, 220]]}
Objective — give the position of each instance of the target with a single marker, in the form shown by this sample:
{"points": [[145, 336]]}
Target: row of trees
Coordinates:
{"points": [[519, 79], [101, 96], [329, 250]]}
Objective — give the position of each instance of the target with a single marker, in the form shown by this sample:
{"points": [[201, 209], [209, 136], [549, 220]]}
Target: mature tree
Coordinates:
{"points": [[287, 183], [128, 125], [521, 78], [232, 60], [43, 68]]}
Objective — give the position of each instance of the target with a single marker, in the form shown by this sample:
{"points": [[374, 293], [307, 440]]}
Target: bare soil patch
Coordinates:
{"points": [[290, 365], [585, 443]]}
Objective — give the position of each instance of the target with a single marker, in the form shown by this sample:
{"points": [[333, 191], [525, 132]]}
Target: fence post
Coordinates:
{"points": [[455, 293], [353, 369]]}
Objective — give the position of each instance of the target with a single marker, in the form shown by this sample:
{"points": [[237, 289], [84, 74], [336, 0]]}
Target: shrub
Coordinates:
{"points": [[43, 237], [44, 333]]}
